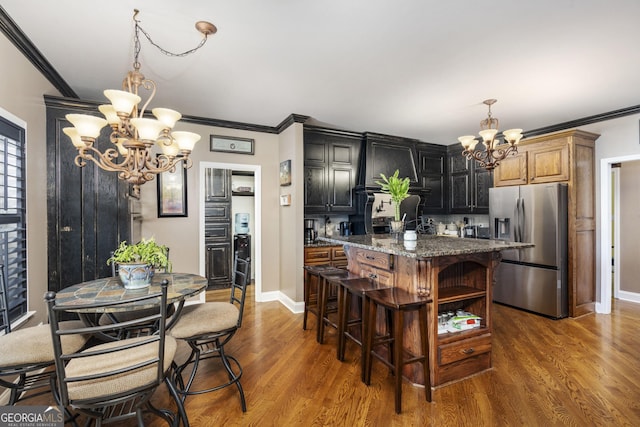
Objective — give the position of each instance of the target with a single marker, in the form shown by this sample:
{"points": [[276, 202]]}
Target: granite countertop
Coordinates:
{"points": [[426, 246], [320, 244]]}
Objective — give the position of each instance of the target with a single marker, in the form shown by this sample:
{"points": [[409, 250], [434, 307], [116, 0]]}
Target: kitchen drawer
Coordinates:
{"points": [[375, 259], [337, 253], [463, 349], [382, 277], [317, 255]]}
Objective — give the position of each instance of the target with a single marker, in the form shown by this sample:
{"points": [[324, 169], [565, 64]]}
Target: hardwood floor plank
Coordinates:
{"points": [[569, 372]]}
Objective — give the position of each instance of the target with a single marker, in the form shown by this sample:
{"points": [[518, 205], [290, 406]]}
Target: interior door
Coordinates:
{"points": [[87, 207]]}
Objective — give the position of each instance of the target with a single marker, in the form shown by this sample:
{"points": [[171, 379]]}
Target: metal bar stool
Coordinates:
{"points": [[398, 302], [312, 288], [327, 303], [346, 323]]}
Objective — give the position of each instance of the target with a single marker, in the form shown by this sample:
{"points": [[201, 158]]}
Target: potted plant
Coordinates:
{"points": [[137, 262], [398, 189]]}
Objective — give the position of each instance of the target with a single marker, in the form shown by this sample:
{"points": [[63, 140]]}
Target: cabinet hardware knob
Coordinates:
{"points": [[468, 351], [369, 257], [373, 276]]}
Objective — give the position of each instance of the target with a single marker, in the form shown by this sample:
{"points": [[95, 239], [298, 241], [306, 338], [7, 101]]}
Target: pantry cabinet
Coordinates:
{"points": [[564, 157]]}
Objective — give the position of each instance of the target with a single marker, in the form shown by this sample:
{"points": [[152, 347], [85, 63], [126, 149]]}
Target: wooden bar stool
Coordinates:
{"points": [[328, 303], [398, 302], [346, 323], [312, 291]]}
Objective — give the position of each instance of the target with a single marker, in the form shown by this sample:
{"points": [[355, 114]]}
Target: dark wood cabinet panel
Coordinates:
{"points": [[217, 185], [469, 184], [218, 267], [432, 173], [87, 208], [330, 170], [315, 187], [218, 227]]}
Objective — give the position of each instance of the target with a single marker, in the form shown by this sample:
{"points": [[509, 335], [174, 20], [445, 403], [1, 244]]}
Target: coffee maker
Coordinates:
{"points": [[310, 233]]}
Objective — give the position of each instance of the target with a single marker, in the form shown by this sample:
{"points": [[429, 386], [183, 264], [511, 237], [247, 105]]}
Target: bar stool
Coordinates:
{"points": [[355, 287], [399, 302], [327, 304], [312, 282]]}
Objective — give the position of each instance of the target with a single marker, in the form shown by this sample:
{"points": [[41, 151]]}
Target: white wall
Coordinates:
{"points": [[21, 94]]}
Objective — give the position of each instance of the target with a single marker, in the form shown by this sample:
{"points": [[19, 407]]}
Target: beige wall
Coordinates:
{"points": [[21, 94], [629, 231], [291, 217], [277, 243]]}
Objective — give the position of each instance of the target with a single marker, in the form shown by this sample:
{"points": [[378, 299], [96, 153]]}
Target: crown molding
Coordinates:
{"points": [[24, 45]]}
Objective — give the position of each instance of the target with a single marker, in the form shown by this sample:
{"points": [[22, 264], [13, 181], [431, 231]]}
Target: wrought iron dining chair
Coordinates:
{"points": [[26, 354], [207, 328], [109, 382]]}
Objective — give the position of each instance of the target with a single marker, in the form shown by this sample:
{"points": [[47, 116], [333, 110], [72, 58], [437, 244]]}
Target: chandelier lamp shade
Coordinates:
{"points": [[134, 134], [494, 150]]}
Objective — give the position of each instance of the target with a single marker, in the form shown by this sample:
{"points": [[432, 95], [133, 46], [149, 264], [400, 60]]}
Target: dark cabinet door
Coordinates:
{"points": [[217, 185], [218, 227], [483, 181], [432, 175], [330, 169], [87, 207], [342, 175], [217, 265], [469, 184]]}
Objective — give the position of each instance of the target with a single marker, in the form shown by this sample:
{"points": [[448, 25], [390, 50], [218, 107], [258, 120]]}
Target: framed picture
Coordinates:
{"points": [[285, 173], [231, 144], [172, 192]]}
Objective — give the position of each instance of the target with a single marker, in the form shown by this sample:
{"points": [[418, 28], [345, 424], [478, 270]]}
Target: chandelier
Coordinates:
{"points": [[133, 134], [494, 151]]}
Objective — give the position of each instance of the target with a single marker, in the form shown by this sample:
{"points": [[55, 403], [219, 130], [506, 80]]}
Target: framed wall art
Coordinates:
{"points": [[172, 192], [285, 173], [231, 144]]}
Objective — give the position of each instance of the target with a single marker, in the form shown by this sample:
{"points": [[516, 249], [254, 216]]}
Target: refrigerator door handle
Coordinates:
{"points": [[516, 225], [521, 220]]}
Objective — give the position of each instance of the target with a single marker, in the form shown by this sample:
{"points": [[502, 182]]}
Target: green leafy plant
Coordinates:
{"points": [[397, 188], [145, 251]]}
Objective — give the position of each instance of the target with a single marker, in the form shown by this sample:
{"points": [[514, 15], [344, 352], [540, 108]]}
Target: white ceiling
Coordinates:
{"points": [[412, 68]]}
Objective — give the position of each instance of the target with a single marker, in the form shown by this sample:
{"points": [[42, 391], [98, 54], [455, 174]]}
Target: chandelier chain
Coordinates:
{"points": [[160, 48]]}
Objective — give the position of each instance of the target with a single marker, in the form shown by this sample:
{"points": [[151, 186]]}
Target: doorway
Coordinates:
{"points": [[257, 232], [608, 191]]}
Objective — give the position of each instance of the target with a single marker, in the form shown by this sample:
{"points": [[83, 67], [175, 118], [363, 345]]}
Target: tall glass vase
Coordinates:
{"points": [[397, 228]]}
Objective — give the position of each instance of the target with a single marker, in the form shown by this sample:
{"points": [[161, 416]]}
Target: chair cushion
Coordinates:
{"points": [[116, 384], [33, 344], [200, 319]]}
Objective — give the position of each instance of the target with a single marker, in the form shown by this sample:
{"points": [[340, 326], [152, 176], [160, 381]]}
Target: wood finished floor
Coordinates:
{"points": [[571, 372]]}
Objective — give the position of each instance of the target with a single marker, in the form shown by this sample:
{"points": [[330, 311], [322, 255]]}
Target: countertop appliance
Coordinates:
{"points": [[346, 228], [534, 279], [310, 233]]}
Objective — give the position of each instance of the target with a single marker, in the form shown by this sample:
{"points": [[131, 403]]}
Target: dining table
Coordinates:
{"points": [[182, 286]]}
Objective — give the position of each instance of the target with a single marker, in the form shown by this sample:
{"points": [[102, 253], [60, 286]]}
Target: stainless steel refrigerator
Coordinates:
{"points": [[533, 279]]}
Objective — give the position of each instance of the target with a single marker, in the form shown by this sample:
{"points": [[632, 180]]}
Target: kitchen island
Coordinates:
{"points": [[456, 273]]}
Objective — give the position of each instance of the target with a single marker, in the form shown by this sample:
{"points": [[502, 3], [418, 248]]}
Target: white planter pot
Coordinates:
{"points": [[135, 275]]}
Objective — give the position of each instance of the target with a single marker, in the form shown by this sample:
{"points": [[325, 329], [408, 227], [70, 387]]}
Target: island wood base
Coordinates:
{"points": [[454, 282]]}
